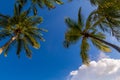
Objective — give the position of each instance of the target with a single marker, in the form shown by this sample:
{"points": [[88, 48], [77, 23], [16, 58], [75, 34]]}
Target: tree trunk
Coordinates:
{"points": [[7, 44], [107, 43]]}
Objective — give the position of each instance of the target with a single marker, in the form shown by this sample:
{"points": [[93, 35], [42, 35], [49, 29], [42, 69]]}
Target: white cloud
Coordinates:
{"points": [[104, 69], [102, 55], [74, 73]]}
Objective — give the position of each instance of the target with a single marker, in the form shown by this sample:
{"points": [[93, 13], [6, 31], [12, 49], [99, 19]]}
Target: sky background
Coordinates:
{"points": [[52, 61]]}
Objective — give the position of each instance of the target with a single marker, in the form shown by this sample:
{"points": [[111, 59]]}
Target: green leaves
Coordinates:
{"points": [[26, 48], [89, 32], [84, 51], [23, 28], [73, 34], [71, 23], [101, 45], [80, 19], [50, 4], [19, 46], [107, 14]]}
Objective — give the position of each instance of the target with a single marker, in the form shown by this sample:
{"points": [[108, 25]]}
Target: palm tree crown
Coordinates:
{"points": [[107, 16], [22, 30], [77, 31]]}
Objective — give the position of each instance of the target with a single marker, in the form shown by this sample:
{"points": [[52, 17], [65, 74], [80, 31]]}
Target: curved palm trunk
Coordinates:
{"points": [[107, 43], [7, 44]]}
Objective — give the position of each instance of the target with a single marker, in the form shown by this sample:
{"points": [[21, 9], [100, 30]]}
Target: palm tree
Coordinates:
{"points": [[22, 30], [78, 31], [40, 3], [107, 16]]}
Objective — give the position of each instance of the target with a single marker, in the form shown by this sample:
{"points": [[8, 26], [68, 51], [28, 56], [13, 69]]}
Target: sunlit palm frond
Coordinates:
{"points": [[98, 35], [101, 46], [98, 44], [73, 33], [72, 36], [84, 51], [32, 40]]}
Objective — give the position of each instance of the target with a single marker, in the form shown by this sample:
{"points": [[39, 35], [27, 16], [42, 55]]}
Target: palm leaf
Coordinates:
{"points": [[34, 10], [84, 50], [58, 2], [89, 21], [72, 35], [32, 40], [80, 19], [100, 45], [70, 23], [19, 47], [6, 51], [27, 49], [17, 10], [98, 35]]}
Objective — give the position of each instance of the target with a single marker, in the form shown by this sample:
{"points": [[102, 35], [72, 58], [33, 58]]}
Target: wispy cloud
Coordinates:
{"points": [[104, 69]]}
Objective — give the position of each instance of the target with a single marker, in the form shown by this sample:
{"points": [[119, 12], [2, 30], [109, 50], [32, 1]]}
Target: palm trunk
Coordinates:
{"points": [[107, 43], [7, 44]]}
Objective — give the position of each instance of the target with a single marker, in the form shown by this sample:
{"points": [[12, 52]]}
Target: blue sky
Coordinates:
{"points": [[52, 61]]}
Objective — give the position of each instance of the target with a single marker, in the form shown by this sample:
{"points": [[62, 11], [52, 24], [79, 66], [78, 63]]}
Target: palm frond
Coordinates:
{"points": [[19, 47], [21, 2], [4, 20], [72, 35], [4, 33], [27, 49], [89, 20], [98, 35], [35, 20], [32, 40], [58, 2], [42, 29], [100, 45], [34, 10], [6, 51], [71, 23], [80, 19], [17, 10], [84, 51]]}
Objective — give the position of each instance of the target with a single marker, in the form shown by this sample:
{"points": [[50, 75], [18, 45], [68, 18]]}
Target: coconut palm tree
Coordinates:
{"points": [[40, 3], [107, 16], [22, 30], [78, 31]]}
